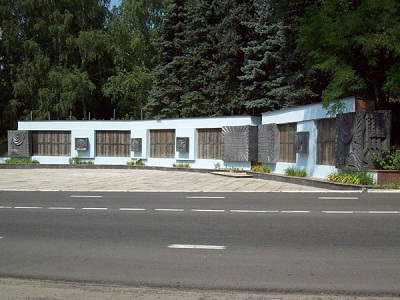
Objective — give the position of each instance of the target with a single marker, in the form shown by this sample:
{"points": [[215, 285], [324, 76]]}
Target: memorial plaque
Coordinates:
{"points": [[301, 141], [182, 144], [81, 144], [268, 143], [136, 144], [19, 143]]}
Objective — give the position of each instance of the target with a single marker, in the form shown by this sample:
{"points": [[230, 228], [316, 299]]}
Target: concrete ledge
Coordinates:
{"points": [[233, 174]]}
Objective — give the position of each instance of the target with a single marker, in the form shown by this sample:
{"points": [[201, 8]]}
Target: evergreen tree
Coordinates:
{"points": [[200, 76], [273, 77], [165, 96]]}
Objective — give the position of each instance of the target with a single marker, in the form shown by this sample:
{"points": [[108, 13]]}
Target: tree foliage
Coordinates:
{"points": [[356, 44], [187, 58]]}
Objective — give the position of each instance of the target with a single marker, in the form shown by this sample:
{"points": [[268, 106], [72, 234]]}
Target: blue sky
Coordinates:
{"points": [[114, 3]]}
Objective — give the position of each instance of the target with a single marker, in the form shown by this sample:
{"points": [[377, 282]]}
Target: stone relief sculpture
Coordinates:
{"points": [[81, 144], [182, 144], [268, 143], [239, 143], [359, 136], [136, 144], [19, 143], [301, 142]]}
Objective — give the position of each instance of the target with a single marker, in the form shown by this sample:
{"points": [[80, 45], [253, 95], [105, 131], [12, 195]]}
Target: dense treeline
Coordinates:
{"points": [[75, 59]]}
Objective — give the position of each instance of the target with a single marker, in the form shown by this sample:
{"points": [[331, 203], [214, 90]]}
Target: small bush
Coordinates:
{"points": [[261, 168], [352, 177], [21, 161], [292, 171], [390, 160], [137, 162], [181, 165], [80, 161]]}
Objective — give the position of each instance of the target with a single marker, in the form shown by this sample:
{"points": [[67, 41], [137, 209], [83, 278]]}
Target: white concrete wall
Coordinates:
{"points": [[140, 129], [305, 117]]}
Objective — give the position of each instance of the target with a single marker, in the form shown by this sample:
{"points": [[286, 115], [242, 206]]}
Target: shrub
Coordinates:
{"points": [[14, 160], [352, 177], [181, 165], [292, 171], [80, 161], [261, 168], [390, 160], [137, 162]]}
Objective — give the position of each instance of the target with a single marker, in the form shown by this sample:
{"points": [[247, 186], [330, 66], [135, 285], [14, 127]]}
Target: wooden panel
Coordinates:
{"points": [[162, 143], [326, 141], [209, 143], [113, 143], [287, 142], [51, 143]]}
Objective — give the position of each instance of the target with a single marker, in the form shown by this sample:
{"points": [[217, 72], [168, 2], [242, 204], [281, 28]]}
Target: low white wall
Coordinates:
{"points": [[304, 113], [141, 129], [305, 117]]}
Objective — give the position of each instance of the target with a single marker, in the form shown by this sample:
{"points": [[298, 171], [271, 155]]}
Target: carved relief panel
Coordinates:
{"points": [[359, 136], [239, 143], [19, 143], [301, 141], [136, 144], [81, 144], [182, 144], [268, 143]]}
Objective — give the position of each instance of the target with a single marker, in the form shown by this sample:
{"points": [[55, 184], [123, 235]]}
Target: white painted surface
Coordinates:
{"points": [[305, 117]]}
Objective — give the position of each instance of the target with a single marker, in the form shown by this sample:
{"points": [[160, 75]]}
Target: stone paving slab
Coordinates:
{"points": [[137, 180]]}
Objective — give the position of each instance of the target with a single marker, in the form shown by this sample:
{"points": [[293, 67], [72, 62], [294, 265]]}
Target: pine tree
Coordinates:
{"points": [[273, 77], [200, 77], [165, 96]]}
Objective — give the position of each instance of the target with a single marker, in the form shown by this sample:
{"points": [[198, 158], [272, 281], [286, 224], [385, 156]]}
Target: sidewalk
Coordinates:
{"points": [[20, 289], [130, 180]]}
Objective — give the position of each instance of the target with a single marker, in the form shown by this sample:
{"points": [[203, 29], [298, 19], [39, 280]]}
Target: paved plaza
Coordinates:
{"points": [[130, 180]]}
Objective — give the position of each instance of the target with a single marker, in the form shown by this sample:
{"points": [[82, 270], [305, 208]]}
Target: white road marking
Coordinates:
{"points": [[1, 237], [205, 197], [169, 209], [338, 198], [208, 210], [247, 211], [132, 209], [94, 208], [295, 211], [202, 247], [384, 212], [61, 208], [27, 207], [360, 212], [85, 196], [5, 207], [337, 212]]}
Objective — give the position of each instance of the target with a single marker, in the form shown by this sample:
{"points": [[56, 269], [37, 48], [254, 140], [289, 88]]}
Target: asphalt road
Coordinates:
{"points": [[307, 242]]}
